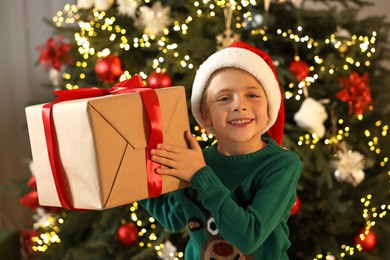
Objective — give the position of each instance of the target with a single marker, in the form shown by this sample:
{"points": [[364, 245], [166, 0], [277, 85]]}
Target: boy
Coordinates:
{"points": [[243, 187]]}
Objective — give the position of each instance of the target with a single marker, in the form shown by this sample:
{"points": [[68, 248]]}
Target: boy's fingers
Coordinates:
{"points": [[167, 148], [163, 153], [165, 171], [163, 161], [192, 140]]}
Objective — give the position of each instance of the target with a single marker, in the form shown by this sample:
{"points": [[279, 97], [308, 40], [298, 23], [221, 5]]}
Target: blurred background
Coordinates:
{"points": [[23, 80]]}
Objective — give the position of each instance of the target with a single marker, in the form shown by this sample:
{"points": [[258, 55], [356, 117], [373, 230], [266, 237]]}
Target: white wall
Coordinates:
{"points": [[21, 31]]}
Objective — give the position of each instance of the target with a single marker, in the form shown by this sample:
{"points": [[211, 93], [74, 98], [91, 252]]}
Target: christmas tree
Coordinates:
{"points": [[331, 67]]}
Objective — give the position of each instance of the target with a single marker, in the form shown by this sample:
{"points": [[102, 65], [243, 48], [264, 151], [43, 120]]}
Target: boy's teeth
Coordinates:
{"points": [[238, 122]]}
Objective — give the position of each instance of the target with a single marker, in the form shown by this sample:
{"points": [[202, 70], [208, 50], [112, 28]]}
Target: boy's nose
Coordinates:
{"points": [[239, 105]]}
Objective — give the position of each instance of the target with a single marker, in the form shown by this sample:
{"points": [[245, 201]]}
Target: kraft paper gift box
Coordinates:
{"points": [[101, 143]]}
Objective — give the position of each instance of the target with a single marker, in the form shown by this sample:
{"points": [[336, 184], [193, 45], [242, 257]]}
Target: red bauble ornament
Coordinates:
{"points": [[159, 79], [108, 69], [300, 69], [296, 207], [127, 234], [366, 239]]}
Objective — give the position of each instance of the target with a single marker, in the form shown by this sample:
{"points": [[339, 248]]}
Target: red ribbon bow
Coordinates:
{"points": [[55, 53], [152, 106]]}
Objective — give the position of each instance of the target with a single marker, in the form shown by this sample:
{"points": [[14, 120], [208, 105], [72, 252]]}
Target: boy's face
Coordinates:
{"points": [[235, 106]]}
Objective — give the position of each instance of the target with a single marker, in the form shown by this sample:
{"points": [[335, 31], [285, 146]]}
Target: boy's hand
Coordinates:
{"points": [[180, 162]]}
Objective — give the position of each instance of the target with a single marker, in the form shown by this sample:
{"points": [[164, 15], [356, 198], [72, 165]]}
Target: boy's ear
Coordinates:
{"points": [[205, 115]]}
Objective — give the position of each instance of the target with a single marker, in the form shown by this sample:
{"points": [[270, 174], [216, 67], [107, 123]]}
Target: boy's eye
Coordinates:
{"points": [[253, 95], [223, 98]]}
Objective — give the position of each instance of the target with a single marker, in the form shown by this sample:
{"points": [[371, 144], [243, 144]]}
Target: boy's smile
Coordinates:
{"points": [[240, 122], [236, 107]]}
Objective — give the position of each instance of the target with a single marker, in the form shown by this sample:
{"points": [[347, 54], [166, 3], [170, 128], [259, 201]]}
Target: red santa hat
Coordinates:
{"points": [[256, 62]]}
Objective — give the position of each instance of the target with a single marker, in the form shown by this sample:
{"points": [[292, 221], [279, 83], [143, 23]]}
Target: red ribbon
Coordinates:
{"points": [[152, 106]]}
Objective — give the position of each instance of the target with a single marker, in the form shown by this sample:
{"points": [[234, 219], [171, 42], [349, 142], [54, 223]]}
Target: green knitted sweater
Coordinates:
{"points": [[236, 207]]}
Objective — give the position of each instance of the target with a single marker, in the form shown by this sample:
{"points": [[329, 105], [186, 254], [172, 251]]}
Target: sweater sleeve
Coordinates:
{"points": [[167, 210], [271, 203]]}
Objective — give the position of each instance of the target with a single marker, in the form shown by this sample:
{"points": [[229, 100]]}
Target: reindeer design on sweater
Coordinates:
{"points": [[216, 247]]}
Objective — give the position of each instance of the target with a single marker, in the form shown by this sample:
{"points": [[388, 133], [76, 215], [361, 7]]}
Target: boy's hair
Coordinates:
{"points": [[254, 61]]}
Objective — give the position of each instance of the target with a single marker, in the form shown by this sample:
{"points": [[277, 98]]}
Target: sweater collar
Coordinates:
{"points": [[215, 155]]}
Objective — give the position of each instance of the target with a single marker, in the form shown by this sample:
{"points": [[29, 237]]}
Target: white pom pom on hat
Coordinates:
{"points": [[256, 62]]}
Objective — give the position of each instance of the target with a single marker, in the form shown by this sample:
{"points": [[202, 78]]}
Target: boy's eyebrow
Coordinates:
{"points": [[224, 90], [250, 87], [254, 87]]}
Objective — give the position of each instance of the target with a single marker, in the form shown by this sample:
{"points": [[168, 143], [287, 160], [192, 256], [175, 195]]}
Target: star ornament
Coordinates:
{"points": [[154, 19], [356, 92]]}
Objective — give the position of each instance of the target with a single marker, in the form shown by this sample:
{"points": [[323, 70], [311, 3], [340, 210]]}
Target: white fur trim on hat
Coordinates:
{"points": [[243, 59]]}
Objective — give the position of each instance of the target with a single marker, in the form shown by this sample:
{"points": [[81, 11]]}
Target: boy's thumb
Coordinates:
{"points": [[192, 141]]}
